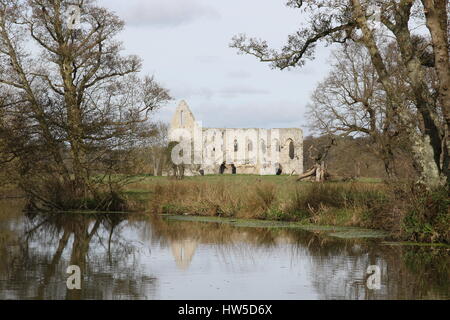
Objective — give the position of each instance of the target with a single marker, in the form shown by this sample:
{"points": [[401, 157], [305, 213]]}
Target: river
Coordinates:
{"points": [[137, 257]]}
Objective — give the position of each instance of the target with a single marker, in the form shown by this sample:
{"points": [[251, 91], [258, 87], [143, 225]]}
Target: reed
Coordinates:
{"points": [[410, 215]]}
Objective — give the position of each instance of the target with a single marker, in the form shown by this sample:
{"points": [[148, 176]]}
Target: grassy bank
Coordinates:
{"points": [[405, 213]]}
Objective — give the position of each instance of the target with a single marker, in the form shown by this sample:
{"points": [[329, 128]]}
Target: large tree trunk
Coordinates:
{"points": [[75, 124], [425, 104], [155, 168], [437, 22], [389, 164], [422, 144]]}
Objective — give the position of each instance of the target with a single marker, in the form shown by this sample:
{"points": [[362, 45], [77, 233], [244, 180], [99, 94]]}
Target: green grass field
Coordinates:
{"points": [[239, 178]]}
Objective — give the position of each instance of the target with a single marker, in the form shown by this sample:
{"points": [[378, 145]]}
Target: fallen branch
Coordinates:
{"points": [[311, 172]]}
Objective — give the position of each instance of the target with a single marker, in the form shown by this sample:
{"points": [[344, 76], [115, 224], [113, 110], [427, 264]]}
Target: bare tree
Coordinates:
{"points": [[351, 101], [147, 155], [341, 21], [157, 149], [70, 100]]}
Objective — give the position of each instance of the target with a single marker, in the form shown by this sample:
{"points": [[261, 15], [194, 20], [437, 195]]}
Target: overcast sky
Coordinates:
{"points": [[185, 44]]}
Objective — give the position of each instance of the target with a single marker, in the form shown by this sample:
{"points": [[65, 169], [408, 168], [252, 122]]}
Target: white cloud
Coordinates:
{"points": [[239, 74], [208, 59], [234, 91], [186, 92], [238, 90], [271, 114], [161, 13]]}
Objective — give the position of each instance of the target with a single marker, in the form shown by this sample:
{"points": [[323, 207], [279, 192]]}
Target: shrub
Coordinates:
{"points": [[427, 216], [56, 195]]}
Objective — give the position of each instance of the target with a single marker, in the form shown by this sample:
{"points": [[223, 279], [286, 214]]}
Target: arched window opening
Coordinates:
{"points": [[181, 118], [250, 145], [263, 146], [277, 145], [291, 150], [222, 168], [236, 146], [279, 169]]}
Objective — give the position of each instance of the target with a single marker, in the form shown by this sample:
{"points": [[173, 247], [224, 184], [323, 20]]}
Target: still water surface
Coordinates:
{"points": [[125, 257]]}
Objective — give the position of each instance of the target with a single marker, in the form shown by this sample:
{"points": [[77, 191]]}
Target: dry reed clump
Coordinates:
{"points": [[353, 204], [349, 204], [258, 201], [197, 198], [407, 214]]}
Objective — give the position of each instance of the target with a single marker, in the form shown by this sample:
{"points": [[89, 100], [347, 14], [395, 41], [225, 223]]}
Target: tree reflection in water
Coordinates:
{"points": [[338, 268], [51, 242], [126, 257]]}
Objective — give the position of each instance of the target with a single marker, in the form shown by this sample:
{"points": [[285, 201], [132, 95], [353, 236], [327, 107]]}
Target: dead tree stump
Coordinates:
{"points": [[318, 172]]}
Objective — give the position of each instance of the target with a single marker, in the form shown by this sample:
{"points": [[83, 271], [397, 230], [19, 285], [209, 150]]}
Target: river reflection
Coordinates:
{"points": [[132, 257]]}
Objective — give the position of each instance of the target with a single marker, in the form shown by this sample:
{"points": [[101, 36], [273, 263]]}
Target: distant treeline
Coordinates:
{"points": [[353, 157]]}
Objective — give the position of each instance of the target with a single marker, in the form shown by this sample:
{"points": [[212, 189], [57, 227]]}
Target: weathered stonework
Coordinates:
{"points": [[251, 151]]}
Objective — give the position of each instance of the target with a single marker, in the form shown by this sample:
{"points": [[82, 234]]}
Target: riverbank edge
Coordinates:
{"points": [[340, 232]]}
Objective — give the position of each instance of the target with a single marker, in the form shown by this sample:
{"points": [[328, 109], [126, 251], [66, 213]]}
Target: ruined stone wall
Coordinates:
{"points": [[251, 151], [291, 163]]}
